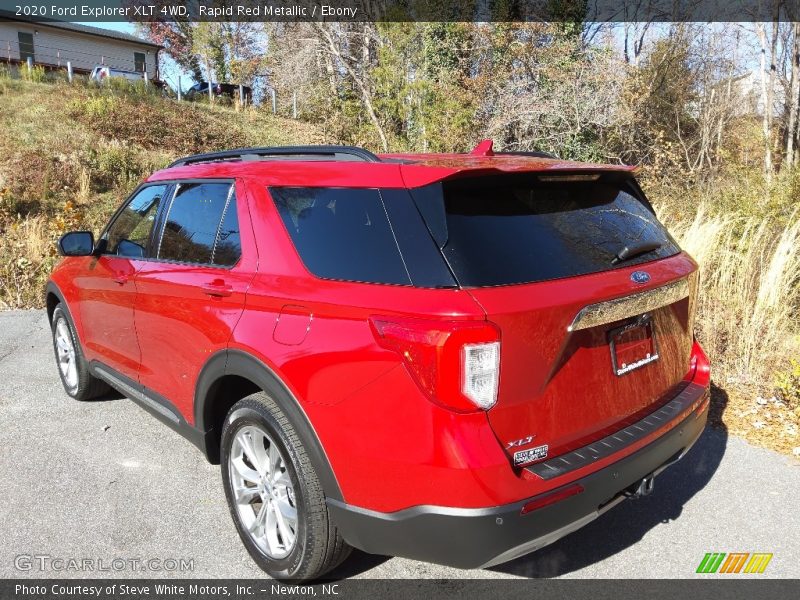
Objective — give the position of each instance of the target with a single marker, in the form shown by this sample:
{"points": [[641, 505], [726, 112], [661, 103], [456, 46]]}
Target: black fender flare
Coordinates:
{"points": [[52, 288], [242, 364]]}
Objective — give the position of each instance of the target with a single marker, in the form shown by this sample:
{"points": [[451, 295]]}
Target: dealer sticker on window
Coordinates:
{"points": [[531, 454]]}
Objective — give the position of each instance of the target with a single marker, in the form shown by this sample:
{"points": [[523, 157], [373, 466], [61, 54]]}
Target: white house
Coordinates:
{"points": [[52, 44]]}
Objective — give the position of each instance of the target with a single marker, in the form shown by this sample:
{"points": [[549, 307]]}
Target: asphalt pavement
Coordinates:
{"points": [[103, 485]]}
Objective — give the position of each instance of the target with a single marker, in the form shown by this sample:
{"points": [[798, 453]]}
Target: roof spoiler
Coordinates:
{"points": [[484, 148]]}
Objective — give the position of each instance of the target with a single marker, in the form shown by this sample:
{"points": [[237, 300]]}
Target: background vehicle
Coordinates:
{"points": [[228, 90], [101, 73], [454, 358]]}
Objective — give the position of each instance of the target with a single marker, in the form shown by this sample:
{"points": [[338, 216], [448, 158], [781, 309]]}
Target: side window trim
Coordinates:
{"points": [[231, 195], [162, 219]]}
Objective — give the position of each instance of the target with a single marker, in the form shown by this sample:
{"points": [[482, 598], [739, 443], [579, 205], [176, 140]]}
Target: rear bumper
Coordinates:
{"points": [[481, 537]]}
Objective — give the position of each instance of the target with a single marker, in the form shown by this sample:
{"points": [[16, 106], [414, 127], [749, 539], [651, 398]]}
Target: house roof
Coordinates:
{"points": [[78, 28]]}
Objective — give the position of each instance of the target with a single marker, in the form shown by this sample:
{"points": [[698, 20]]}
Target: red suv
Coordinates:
{"points": [[456, 358]]}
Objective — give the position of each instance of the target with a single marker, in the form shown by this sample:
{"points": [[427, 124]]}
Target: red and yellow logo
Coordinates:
{"points": [[734, 562]]}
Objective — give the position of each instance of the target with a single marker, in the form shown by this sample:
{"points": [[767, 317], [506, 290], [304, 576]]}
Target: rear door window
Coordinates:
{"points": [[342, 233], [519, 229], [201, 226]]}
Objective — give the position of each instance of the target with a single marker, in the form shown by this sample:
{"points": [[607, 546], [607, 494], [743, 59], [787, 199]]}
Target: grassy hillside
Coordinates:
{"points": [[69, 154]]}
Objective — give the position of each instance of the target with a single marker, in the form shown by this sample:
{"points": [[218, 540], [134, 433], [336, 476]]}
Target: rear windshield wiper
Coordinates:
{"points": [[633, 250]]}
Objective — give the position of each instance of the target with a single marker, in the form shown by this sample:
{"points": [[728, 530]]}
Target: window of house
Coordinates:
{"points": [[25, 46], [139, 62]]}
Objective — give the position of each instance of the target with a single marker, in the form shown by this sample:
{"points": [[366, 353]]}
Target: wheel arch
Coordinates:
{"points": [[229, 376], [53, 297]]}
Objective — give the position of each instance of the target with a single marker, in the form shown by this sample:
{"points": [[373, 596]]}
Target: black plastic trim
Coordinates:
{"points": [[470, 538], [577, 459], [424, 262], [239, 363], [157, 405]]}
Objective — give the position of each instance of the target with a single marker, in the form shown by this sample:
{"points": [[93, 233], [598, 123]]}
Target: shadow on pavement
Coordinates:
{"points": [[626, 524], [358, 562], [111, 394]]}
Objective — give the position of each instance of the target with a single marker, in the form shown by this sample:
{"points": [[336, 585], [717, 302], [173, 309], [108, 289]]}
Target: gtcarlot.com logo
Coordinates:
{"points": [[47, 562], [734, 562]]}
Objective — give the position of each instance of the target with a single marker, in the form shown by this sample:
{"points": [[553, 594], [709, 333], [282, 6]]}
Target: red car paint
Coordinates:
{"points": [[391, 441]]}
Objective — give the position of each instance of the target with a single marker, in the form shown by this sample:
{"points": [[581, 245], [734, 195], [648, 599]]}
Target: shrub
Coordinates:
{"points": [[113, 163], [36, 75], [787, 384]]}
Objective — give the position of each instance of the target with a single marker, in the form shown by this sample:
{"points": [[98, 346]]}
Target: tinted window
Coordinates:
{"points": [[194, 222], [129, 234], [342, 233], [517, 229]]}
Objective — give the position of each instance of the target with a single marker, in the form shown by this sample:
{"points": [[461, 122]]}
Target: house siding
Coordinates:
{"points": [[54, 47]]}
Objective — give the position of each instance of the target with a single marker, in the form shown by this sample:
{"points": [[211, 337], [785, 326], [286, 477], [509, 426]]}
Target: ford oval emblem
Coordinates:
{"points": [[640, 277]]}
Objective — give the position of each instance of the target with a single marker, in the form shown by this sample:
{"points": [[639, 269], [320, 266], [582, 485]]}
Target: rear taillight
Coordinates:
{"points": [[456, 363], [480, 368], [699, 365]]}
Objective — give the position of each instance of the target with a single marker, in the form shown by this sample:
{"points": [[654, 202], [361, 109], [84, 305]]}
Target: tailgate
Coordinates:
{"points": [[583, 358], [590, 292]]}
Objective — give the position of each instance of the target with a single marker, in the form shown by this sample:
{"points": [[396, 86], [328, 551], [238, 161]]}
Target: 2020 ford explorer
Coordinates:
{"points": [[457, 358]]}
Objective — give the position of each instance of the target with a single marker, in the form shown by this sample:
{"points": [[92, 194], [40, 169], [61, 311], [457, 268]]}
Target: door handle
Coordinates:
{"points": [[217, 288], [121, 279]]}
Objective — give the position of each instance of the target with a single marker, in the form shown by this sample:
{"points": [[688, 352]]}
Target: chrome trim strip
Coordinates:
{"points": [[617, 309]]}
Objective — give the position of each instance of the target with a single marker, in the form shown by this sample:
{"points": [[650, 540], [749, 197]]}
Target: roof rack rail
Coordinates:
{"points": [[338, 153]]}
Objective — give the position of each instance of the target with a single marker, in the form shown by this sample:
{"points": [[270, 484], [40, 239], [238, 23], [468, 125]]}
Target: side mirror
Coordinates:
{"points": [[76, 243]]}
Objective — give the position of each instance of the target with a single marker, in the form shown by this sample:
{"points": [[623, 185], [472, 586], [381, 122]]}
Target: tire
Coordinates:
{"points": [[73, 369], [303, 549]]}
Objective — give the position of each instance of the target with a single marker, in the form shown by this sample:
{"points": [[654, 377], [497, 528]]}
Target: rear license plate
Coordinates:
{"points": [[633, 346]]}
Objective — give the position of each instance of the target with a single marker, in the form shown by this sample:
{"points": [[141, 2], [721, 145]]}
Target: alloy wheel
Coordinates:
{"points": [[66, 354], [263, 492]]}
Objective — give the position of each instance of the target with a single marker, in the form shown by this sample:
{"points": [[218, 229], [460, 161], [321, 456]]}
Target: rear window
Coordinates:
{"points": [[519, 229], [342, 233]]}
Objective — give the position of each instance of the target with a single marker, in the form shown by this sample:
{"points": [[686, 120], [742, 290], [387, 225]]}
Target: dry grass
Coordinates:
{"points": [[26, 259], [747, 315], [750, 290]]}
